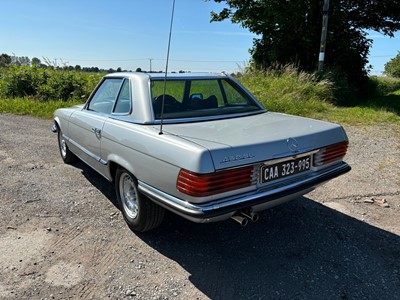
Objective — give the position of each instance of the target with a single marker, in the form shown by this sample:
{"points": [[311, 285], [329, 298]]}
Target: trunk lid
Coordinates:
{"points": [[246, 140]]}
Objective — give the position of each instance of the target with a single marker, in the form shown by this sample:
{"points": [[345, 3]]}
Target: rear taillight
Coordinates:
{"points": [[201, 185], [330, 154]]}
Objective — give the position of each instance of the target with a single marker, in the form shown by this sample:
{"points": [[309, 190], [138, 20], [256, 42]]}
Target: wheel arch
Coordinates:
{"points": [[61, 125], [115, 162], [57, 122]]}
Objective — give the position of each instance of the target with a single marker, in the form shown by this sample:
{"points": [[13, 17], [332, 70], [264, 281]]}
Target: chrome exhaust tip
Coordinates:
{"points": [[243, 221], [251, 216]]}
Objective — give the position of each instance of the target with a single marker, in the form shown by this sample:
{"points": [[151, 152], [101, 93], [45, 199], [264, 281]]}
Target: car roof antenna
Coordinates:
{"points": [[166, 69]]}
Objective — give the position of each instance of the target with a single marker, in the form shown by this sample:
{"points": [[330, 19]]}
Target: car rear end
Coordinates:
{"points": [[256, 166], [259, 159]]}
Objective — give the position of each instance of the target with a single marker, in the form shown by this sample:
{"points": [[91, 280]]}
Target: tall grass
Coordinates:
{"points": [[290, 91], [287, 90], [382, 86]]}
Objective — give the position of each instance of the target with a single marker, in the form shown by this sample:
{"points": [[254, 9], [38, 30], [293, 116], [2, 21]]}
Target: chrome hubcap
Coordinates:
{"points": [[63, 146], [128, 195]]}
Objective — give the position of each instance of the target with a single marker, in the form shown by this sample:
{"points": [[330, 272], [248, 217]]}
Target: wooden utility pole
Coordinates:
{"points": [[324, 30]]}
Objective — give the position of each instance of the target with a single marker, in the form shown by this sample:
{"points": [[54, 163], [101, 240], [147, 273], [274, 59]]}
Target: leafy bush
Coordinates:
{"points": [[384, 94], [382, 86], [392, 67], [343, 92], [45, 84]]}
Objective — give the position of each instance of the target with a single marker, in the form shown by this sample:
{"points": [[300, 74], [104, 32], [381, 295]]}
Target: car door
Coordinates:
{"points": [[86, 126]]}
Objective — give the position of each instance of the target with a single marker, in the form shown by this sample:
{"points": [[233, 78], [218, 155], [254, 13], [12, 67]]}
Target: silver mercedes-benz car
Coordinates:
{"points": [[199, 145]]}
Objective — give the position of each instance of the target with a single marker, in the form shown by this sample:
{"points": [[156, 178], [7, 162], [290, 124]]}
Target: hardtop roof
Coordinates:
{"points": [[174, 76]]}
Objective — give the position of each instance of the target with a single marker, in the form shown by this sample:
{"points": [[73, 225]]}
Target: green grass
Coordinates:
{"points": [[290, 91], [358, 116], [380, 108], [25, 106], [383, 86]]}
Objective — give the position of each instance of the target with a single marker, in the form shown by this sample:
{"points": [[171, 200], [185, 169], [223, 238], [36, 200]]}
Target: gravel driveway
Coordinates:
{"points": [[61, 236]]}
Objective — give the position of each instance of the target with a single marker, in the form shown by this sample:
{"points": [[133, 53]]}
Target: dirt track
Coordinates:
{"points": [[61, 237]]}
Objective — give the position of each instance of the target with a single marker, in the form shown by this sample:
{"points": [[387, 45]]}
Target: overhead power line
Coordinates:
{"points": [[154, 59], [383, 55]]}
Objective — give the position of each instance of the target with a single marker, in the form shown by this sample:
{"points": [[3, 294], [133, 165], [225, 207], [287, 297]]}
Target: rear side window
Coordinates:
{"points": [[124, 103], [234, 95], [105, 96]]}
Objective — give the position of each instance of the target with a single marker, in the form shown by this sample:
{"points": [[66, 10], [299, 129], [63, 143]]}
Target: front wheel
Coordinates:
{"points": [[66, 154], [140, 213]]}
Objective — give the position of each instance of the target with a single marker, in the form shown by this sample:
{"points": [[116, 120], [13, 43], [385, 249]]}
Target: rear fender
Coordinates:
{"points": [[114, 161]]}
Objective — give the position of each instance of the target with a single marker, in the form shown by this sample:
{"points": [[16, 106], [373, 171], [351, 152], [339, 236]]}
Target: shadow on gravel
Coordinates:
{"points": [[300, 250], [99, 182]]}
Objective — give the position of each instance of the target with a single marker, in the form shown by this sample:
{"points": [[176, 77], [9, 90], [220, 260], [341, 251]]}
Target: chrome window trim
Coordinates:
{"points": [[122, 118], [207, 118], [117, 99], [187, 120]]}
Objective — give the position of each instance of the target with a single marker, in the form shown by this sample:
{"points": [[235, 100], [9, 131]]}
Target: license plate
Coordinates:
{"points": [[284, 169]]}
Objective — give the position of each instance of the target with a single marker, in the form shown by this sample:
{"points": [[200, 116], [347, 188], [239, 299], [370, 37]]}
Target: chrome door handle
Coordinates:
{"points": [[97, 132]]}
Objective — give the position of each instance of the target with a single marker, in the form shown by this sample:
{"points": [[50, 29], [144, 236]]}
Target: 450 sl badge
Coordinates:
{"points": [[236, 157]]}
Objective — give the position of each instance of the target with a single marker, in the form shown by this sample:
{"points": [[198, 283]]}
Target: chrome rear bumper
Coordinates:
{"points": [[256, 200]]}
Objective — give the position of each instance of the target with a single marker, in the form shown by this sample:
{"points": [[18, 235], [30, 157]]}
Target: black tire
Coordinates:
{"points": [[140, 213], [67, 156]]}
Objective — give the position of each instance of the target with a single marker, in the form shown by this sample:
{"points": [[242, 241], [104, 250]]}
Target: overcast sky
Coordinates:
{"points": [[134, 33]]}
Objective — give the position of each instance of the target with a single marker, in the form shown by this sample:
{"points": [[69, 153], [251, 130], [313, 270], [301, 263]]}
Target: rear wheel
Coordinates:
{"points": [[140, 213], [66, 155]]}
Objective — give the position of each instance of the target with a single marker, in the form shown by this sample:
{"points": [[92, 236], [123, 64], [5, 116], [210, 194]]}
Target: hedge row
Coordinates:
{"points": [[46, 84]]}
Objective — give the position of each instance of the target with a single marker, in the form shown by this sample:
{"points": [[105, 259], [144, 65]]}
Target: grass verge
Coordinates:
{"points": [[289, 91], [25, 106]]}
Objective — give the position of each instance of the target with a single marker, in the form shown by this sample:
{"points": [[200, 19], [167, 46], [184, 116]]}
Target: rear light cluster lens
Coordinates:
{"points": [[201, 185], [330, 154]]}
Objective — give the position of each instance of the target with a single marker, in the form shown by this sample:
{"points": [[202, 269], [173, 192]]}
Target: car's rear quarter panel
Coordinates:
{"points": [[152, 158]]}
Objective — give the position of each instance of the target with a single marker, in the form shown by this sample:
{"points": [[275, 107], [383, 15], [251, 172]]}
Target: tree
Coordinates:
{"points": [[5, 60], [20, 60], [392, 67], [289, 31], [36, 61]]}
